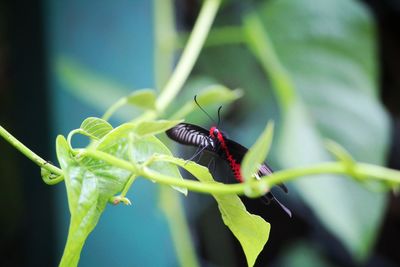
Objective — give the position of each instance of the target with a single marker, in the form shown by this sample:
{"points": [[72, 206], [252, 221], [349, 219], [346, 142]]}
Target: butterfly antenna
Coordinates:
{"points": [[205, 112], [219, 115]]}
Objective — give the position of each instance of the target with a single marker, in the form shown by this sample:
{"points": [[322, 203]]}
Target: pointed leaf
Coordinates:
{"points": [[251, 230], [258, 152]]}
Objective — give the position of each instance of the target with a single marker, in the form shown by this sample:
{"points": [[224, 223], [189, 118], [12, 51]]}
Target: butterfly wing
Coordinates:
{"points": [[237, 150], [192, 135]]}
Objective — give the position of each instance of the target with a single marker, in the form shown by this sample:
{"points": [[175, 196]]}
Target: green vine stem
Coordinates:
{"points": [[383, 174], [261, 45], [189, 54], [389, 176], [171, 205], [31, 155], [170, 200]]}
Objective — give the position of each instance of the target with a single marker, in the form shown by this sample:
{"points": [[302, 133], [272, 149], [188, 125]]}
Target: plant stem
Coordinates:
{"points": [[128, 186], [171, 204], [360, 169], [165, 39], [261, 45], [190, 54], [114, 107], [29, 153], [169, 200]]}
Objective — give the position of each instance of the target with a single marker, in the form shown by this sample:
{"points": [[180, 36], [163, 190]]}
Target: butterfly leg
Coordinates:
{"points": [[198, 152], [211, 165], [268, 197]]}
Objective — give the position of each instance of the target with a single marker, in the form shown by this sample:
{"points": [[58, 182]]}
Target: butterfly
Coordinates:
{"points": [[230, 151]]}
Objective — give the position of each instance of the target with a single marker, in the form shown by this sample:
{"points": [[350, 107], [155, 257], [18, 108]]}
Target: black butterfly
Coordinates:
{"points": [[230, 151]]}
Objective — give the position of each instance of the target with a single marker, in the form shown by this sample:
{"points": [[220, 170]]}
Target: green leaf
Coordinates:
{"points": [[258, 152], [95, 128], [144, 99], [140, 150], [90, 184], [251, 230], [211, 95], [218, 94], [155, 127], [327, 51]]}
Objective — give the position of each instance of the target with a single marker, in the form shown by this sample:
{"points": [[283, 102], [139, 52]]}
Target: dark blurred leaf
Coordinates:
{"points": [[303, 254], [327, 47]]}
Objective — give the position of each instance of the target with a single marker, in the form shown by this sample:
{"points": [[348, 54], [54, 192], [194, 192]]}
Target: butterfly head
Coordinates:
{"points": [[214, 132]]}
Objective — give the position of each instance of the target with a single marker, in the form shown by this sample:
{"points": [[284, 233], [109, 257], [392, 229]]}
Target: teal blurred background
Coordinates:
{"points": [[63, 61], [115, 42]]}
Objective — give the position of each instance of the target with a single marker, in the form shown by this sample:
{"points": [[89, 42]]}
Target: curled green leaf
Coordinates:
{"points": [[95, 128]]}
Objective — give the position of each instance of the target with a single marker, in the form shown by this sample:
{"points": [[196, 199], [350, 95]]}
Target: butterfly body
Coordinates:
{"points": [[234, 163]]}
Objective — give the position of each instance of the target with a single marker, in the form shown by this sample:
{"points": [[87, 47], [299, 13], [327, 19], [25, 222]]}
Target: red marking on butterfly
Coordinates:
{"points": [[235, 167]]}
